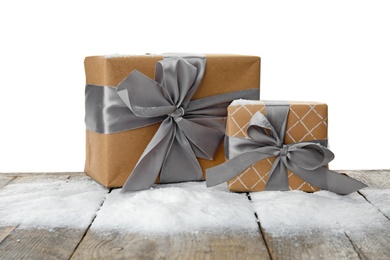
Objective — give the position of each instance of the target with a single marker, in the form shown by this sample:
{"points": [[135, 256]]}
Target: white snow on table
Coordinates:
{"points": [[380, 198], [297, 212], [183, 207], [50, 202], [186, 207]]}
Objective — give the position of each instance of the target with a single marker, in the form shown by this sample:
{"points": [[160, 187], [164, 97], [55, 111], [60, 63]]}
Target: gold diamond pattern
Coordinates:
{"points": [[306, 122]]}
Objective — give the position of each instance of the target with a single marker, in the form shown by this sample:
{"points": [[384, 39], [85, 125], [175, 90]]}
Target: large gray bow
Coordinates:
{"points": [[189, 128], [305, 159]]}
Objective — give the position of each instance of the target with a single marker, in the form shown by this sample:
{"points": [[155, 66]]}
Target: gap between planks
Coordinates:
{"points": [[90, 224]]}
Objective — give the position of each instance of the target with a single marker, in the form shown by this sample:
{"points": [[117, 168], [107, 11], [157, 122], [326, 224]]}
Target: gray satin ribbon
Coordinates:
{"points": [[189, 128], [306, 159]]}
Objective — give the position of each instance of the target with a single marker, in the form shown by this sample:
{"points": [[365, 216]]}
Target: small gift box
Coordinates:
{"points": [[161, 118], [278, 145]]}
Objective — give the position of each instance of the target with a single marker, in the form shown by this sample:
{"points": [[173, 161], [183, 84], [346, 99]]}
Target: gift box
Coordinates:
{"points": [[306, 121], [116, 146], [278, 145]]}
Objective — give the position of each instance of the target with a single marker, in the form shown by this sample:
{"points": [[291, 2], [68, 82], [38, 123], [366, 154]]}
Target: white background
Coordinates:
{"points": [[336, 52]]}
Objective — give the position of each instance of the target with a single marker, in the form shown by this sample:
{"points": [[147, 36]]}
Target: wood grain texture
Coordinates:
{"points": [[114, 245], [318, 244], [5, 231], [379, 179], [58, 243], [4, 180]]}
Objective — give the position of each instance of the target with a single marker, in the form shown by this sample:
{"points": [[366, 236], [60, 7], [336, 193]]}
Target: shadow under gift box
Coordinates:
{"points": [[110, 158], [307, 121]]}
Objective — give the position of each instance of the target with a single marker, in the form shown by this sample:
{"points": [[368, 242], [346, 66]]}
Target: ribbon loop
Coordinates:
{"points": [[156, 103], [310, 156], [177, 76], [307, 160]]}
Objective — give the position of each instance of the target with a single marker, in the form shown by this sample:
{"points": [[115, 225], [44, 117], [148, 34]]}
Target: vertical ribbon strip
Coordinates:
{"points": [[189, 128], [306, 159]]}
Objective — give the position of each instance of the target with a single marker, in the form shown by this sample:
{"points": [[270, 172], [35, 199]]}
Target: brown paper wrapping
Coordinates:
{"points": [[306, 121], [110, 158]]}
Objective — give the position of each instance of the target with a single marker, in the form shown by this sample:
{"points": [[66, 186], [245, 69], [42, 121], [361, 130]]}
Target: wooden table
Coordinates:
{"points": [[83, 243]]}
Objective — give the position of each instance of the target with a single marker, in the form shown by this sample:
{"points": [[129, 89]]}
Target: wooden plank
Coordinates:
{"points": [[29, 242], [379, 179], [316, 244], [224, 245], [286, 234], [361, 232], [57, 243], [358, 231]]}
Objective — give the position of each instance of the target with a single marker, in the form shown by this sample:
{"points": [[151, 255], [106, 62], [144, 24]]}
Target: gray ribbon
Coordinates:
{"points": [[189, 128], [306, 159]]}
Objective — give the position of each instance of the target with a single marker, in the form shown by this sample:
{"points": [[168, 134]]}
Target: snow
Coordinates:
{"points": [[50, 202], [187, 207], [380, 198], [183, 207], [243, 102], [297, 212]]}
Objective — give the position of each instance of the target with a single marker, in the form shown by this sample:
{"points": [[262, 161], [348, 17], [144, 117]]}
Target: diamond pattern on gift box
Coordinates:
{"points": [[238, 124], [306, 121], [253, 179]]}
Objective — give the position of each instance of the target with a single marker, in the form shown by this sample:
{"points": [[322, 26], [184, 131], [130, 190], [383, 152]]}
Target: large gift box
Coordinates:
{"points": [[160, 117], [278, 145]]}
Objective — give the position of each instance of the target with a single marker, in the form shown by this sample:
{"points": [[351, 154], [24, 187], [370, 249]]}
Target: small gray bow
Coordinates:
{"points": [[306, 159]]}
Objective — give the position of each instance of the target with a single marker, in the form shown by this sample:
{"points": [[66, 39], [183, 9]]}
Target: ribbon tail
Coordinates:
{"points": [[326, 179], [277, 179], [230, 169], [149, 165], [199, 62], [180, 163]]}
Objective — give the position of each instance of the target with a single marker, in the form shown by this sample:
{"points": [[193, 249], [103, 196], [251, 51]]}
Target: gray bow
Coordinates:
{"points": [[189, 128], [305, 159]]}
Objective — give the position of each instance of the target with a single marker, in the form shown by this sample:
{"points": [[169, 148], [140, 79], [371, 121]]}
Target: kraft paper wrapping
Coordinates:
{"points": [[110, 158], [307, 121]]}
